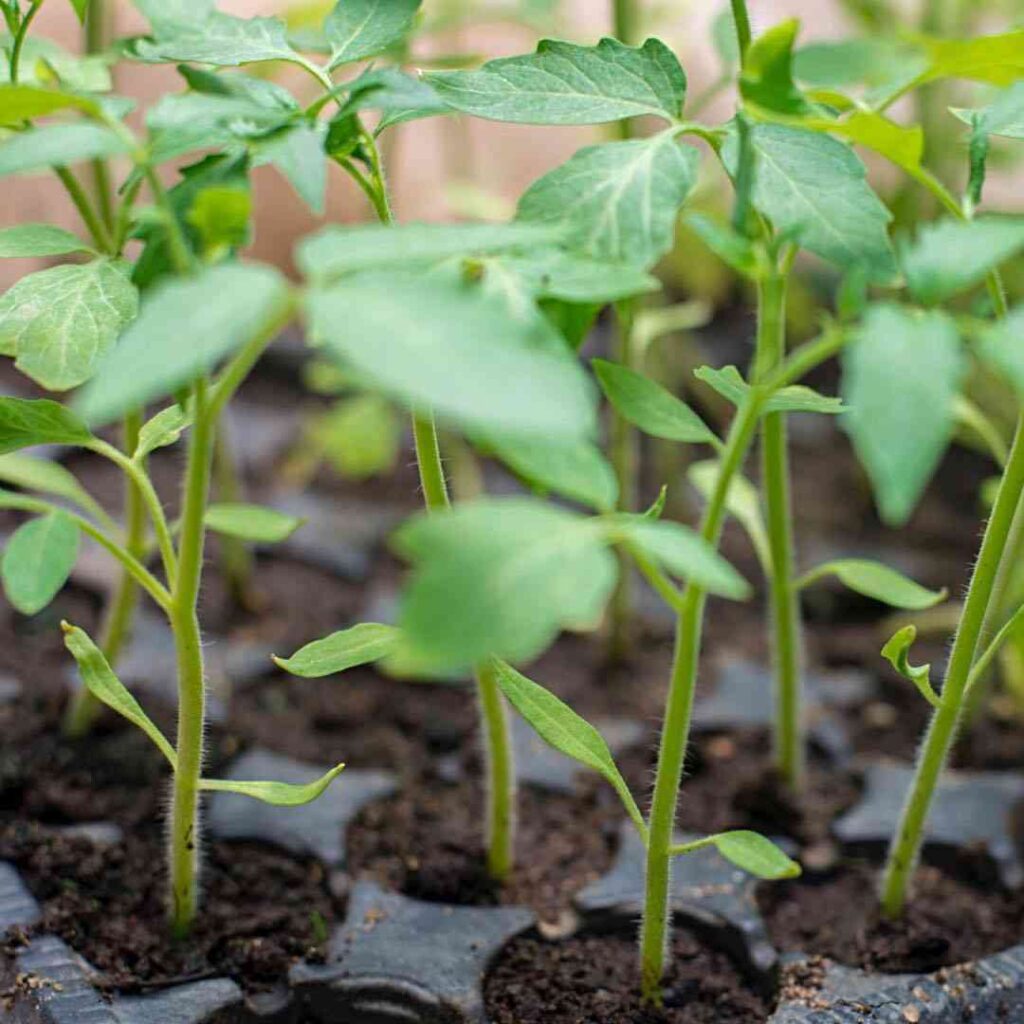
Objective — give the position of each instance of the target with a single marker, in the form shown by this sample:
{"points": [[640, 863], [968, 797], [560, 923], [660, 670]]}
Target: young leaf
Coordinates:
{"points": [[38, 560], [336, 251], [357, 29], [577, 470], [647, 405], [514, 374], [743, 502], [897, 653], [360, 645], [39, 240], [48, 477], [814, 187], [901, 374], [877, 581], [57, 145], [185, 328], [729, 383], [280, 794], [221, 218], [501, 577], [998, 59], [950, 256], [103, 684], [81, 8], [30, 421], [755, 854], [681, 551], [221, 40], [42, 59], [20, 103], [558, 725], [767, 77], [1004, 116], [162, 430], [253, 523], [563, 83], [617, 201], [59, 323]]}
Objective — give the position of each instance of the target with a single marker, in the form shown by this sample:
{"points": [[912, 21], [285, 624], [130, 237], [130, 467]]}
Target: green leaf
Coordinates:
{"points": [[617, 201], [336, 251], [901, 375], [38, 560], [767, 77], [950, 256], [559, 726], [103, 684], [279, 794], [681, 551], [729, 383], [168, 16], [221, 217], [400, 97], [47, 477], [360, 645], [357, 29], [298, 153], [904, 146], [27, 240], [42, 59], [567, 277], [253, 523], [60, 323], [840, 63], [57, 145], [877, 581], [162, 430], [813, 188], [1004, 116], [577, 470], [514, 374], [743, 502], [361, 436], [499, 577], [23, 102], [728, 245], [647, 405], [563, 83], [30, 421], [755, 854], [997, 59], [81, 9], [184, 329], [897, 653], [221, 40], [1001, 349]]}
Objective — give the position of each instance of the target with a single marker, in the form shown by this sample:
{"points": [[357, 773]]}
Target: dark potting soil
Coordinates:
{"points": [[593, 979], [426, 843], [949, 920], [263, 910]]}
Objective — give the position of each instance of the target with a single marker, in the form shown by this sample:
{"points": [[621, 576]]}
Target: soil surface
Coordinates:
{"points": [[263, 910], [593, 979], [949, 920], [426, 843]]}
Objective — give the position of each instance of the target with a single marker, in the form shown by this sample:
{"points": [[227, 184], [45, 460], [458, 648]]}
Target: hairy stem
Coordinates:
{"points": [[83, 708], [501, 776], [906, 844], [678, 711], [184, 831], [783, 598], [97, 35]]}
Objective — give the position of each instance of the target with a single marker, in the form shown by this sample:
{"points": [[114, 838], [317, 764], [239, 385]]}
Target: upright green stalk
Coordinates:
{"points": [[83, 708], [97, 36], [906, 844], [678, 712], [784, 606], [500, 763], [184, 834]]}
